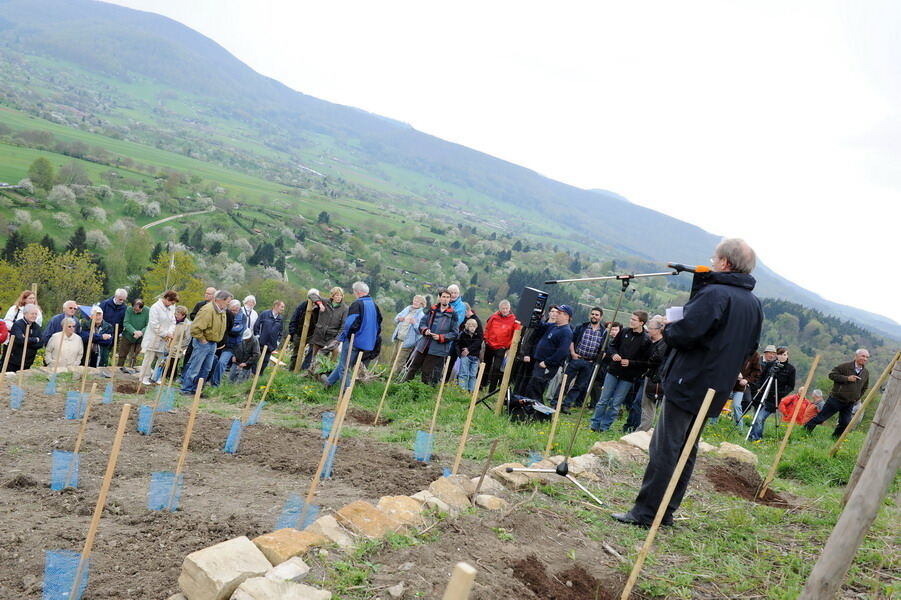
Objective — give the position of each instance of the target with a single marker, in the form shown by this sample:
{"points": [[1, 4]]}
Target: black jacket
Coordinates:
{"points": [[720, 328], [783, 383], [17, 343], [295, 326], [470, 341], [197, 308], [654, 387], [268, 330], [636, 347]]}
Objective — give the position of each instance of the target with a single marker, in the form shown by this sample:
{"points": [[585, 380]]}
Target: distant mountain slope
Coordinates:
{"points": [[131, 45]]}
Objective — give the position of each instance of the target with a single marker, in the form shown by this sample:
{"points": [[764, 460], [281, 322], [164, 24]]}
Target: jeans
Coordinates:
{"points": [[737, 408], [469, 370], [614, 392], [338, 372], [579, 371], [633, 422], [757, 425], [221, 366], [203, 355]]}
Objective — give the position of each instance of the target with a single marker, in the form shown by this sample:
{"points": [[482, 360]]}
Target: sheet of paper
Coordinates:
{"points": [[673, 314]]}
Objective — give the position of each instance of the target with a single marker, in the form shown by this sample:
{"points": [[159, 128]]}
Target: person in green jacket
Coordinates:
{"points": [[132, 331]]}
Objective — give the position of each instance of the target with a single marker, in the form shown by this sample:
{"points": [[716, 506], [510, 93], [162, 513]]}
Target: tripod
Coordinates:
{"points": [[770, 381], [563, 468]]}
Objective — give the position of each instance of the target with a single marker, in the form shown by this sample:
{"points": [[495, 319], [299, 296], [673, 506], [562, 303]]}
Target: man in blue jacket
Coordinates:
{"points": [[719, 329], [268, 330], [114, 309], [550, 352], [364, 321]]}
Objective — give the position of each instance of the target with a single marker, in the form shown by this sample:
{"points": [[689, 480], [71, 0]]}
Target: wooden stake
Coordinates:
{"points": [[378, 412], [508, 369], [668, 494], [890, 403], [460, 584], [472, 408], [278, 362], [440, 394], [253, 387], [556, 418], [21, 372], [302, 342], [788, 430], [187, 440], [486, 467], [101, 500], [9, 351], [84, 421], [863, 506], [350, 350], [87, 356], [59, 348], [332, 440], [863, 407], [160, 386], [114, 358], [34, 288], [174, 357]]}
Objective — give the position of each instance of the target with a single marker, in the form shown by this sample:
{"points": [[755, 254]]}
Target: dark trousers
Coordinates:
{"points": [[831, 407], [579, 371], [494, 360], [538, 382], [634, 407], [430, 366], [667, 443]]}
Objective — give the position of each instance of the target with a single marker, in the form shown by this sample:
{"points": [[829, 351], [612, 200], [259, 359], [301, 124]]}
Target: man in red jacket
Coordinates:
{"points": [[498, 337]]}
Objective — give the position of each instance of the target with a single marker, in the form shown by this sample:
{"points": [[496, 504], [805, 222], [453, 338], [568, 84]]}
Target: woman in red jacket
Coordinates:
{"points": [[808, 409], [498, 337]]}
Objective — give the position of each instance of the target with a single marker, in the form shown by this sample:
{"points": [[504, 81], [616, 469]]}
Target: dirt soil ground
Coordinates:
{"points": [[138, 553]]}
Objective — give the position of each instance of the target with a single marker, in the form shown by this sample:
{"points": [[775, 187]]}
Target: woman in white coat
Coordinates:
{"points": [[159, 332], [65, 348]]}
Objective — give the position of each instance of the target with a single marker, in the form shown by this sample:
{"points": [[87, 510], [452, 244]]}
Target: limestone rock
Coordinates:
{"points": [[423, 496], [450, 493], [327, 526], [365, 519], [463, 482], [283, 544], [727, 450], [396, 591], [215, 572], [704, 447], [436, 503], [293, 569], [177, 597], [639, 439], [489, 485], [514, 481], [403, 508], [490, 502], [260, 588], [545, 463], [617, 450], [585, 464]]}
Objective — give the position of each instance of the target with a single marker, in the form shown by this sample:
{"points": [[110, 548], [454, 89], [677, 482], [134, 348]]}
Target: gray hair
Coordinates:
{"points": [[360, 287], [657, 320], [502, 303], [314, 292], [738, 254], [862, 351], [249, 298], [235, 303], [817, 393], [223, 295], [121, 292], [453, 288], [67, 321], [29, 308]]}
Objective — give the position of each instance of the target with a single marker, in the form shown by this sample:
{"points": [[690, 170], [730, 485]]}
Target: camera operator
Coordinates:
{"points": [[550, 352], [783, 374]]}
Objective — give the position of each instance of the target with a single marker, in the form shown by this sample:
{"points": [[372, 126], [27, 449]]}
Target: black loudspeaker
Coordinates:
{"points": [[531, 306]]}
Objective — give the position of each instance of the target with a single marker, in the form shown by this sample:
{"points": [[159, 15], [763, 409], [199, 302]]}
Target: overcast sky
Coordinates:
{"points": [[775, 121]]}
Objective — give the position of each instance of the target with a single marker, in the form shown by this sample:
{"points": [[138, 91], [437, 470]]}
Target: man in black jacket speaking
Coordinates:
{"points": [[720, 327]]}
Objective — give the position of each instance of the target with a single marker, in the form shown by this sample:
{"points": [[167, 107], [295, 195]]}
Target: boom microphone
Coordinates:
{"points": [[679, 267]]}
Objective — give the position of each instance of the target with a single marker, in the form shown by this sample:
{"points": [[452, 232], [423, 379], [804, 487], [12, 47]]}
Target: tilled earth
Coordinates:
{"points": [[138, 553]]}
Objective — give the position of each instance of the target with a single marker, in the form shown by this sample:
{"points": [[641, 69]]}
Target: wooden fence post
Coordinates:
{"points": [[508, 369]]}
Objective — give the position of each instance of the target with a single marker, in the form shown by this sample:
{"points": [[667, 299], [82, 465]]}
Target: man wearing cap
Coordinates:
{"points": [[550, 352], [850, 381]]}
